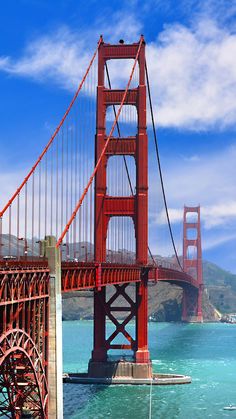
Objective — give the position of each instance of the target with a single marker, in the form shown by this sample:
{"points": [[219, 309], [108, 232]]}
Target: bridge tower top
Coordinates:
{"points": [[192, 248]]}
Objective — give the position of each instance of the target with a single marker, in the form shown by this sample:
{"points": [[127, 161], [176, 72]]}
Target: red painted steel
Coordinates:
{"points": [[24, 299], [129, 310], [121, 146], [192, 298], [101, 150], [135, 206], [81, 275]]}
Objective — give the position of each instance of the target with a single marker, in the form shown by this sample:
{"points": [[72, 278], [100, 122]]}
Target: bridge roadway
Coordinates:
{"points": [[78, 276]]}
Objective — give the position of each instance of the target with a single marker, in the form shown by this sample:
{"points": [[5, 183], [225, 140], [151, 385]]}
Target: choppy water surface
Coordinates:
{"points": [[206, 352]]}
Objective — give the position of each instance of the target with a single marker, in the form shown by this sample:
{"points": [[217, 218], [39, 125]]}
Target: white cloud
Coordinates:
{"points": [[211, 216], [122, 25], [193, 76], [61, 57], [211, 242], [192, 69], [194, 158], [208, 181]]}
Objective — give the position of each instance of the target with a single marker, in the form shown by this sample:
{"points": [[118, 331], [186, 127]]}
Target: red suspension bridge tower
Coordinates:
{"points": [[135, 206], [192, 264]]}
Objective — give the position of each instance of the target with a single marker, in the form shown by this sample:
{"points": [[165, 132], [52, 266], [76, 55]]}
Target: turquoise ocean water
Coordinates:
{"points": [[207, 352]]}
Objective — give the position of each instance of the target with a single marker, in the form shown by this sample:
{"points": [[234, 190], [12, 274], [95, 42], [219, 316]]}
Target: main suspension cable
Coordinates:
{"points": [[102, 152], [160, 170], [124, 159]]}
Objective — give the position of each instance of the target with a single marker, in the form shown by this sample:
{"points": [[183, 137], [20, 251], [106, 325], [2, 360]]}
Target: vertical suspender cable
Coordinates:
{"points": [[26, 216], [71, 176], [62, 175], [39, 186], [80, 171], [67, 187], [32, 233], [86, 165], [75, 181], [51, 191], [9, 241], [57, 185], [17, 224], [46, 193]]}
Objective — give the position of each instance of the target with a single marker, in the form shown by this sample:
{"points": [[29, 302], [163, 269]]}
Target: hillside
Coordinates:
{"points": [[220, 286]]}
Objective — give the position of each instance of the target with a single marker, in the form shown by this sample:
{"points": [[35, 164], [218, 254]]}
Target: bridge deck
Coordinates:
{"points": [[90, 275]]}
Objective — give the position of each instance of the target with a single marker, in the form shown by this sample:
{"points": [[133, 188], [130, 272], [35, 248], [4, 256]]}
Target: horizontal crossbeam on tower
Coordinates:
{"points": [[112, 52], [121, 146], [119, 206], [114, 97]]}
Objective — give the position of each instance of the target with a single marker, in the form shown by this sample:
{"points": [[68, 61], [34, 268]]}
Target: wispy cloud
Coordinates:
{"points": [[211, 216], [193, 76], [218, 240], [206, 181], [192, 69], [60, 57]]}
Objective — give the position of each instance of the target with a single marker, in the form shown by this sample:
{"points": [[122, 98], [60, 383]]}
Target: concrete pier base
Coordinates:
{"points": [[123, 372], [155, 379], [119, 369], [193, 319]]}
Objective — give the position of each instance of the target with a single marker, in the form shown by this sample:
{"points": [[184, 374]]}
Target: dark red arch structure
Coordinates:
{"points": [[24, 298]]}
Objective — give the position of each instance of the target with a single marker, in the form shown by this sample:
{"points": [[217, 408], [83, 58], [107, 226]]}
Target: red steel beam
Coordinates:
{"points": [[121, 146], [80, 276], [114, 97], [119, 206], [111, 52]]}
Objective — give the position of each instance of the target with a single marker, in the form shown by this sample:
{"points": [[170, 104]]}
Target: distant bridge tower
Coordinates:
{"points": [[192, 264], [135, 207]]}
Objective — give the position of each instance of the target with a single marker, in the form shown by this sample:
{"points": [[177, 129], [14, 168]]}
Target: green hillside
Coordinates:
{"points": [[221, 287]]}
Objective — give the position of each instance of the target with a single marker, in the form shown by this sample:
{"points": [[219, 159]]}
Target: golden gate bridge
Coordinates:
{"points": [[77, 196]]}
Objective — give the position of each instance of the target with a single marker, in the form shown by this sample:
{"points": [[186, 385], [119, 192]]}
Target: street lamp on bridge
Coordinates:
{"points": [[25, 245], [86, 252]]}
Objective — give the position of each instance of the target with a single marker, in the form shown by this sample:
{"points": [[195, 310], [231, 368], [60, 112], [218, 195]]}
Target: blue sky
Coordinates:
{"points": [[191, 50]]}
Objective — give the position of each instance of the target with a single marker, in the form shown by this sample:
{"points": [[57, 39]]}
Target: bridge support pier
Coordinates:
{"points": [[134, 308], [192, 306], [55, 385]]}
